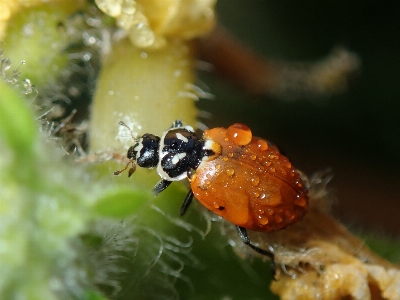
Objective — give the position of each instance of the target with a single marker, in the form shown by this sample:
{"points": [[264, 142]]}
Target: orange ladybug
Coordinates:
{"points": [[243, 179]]}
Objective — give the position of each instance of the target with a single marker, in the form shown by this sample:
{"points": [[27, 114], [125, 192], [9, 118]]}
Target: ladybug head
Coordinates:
{"points": [[145, 151]]}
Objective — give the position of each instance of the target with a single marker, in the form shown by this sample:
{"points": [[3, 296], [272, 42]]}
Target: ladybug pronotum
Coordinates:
{"points": [[243, 179]]}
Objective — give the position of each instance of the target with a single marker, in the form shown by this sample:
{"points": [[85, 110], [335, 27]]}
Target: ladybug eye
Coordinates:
{"points": [[146, 151], [131, 153]]}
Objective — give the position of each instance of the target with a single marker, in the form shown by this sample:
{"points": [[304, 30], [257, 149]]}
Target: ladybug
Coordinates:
{"points": [[243, 179]]}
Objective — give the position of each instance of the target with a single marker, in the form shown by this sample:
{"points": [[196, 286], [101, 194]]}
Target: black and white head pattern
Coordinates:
{"points": [[146, 151]]}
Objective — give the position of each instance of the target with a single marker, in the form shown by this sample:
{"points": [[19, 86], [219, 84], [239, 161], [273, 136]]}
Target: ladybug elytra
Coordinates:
{"points": [[243, 179]]}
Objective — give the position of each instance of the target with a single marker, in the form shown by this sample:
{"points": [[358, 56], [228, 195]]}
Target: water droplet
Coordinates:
{"points": [[15, 76], [263, 220], [262, 196], [239, 134], [289, 215], [27, 85], [253, 157], [190, 174], [255, 181], [230, 171], [300, 201], [87, 56], [141, 35], [262, 145], [5, 64], [270, 211]]}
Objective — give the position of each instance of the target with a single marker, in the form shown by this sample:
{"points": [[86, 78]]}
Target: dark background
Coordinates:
{"points": [[356, 134]]}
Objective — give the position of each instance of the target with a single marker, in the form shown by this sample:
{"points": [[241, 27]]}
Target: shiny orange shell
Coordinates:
{"points": [[251, 184]]}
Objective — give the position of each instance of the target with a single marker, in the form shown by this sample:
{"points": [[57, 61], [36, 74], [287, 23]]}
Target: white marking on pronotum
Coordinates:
{"points": [[181, 137], [177, 157], [139, 147], [188, 128], [214, 147]]}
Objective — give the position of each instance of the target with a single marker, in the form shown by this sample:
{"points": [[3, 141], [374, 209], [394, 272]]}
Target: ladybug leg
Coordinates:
{"points": [[245, 238], [160, 186], [186, 202], [177, 124]]}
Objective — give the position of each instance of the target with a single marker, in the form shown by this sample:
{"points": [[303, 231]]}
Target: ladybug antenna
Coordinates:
{"points": [[131, 162], [130, 130], [131, 155]]}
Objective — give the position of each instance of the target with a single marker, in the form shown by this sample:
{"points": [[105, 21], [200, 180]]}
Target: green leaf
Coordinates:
{"points": [[17, 123], [92, 295], [121, 203]]}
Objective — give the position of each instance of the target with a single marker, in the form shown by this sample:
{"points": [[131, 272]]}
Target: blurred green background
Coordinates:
{"points": [[356, 134]]}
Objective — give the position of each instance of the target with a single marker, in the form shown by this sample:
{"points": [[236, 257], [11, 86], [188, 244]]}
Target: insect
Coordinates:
{"points": [[244, 179]]}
